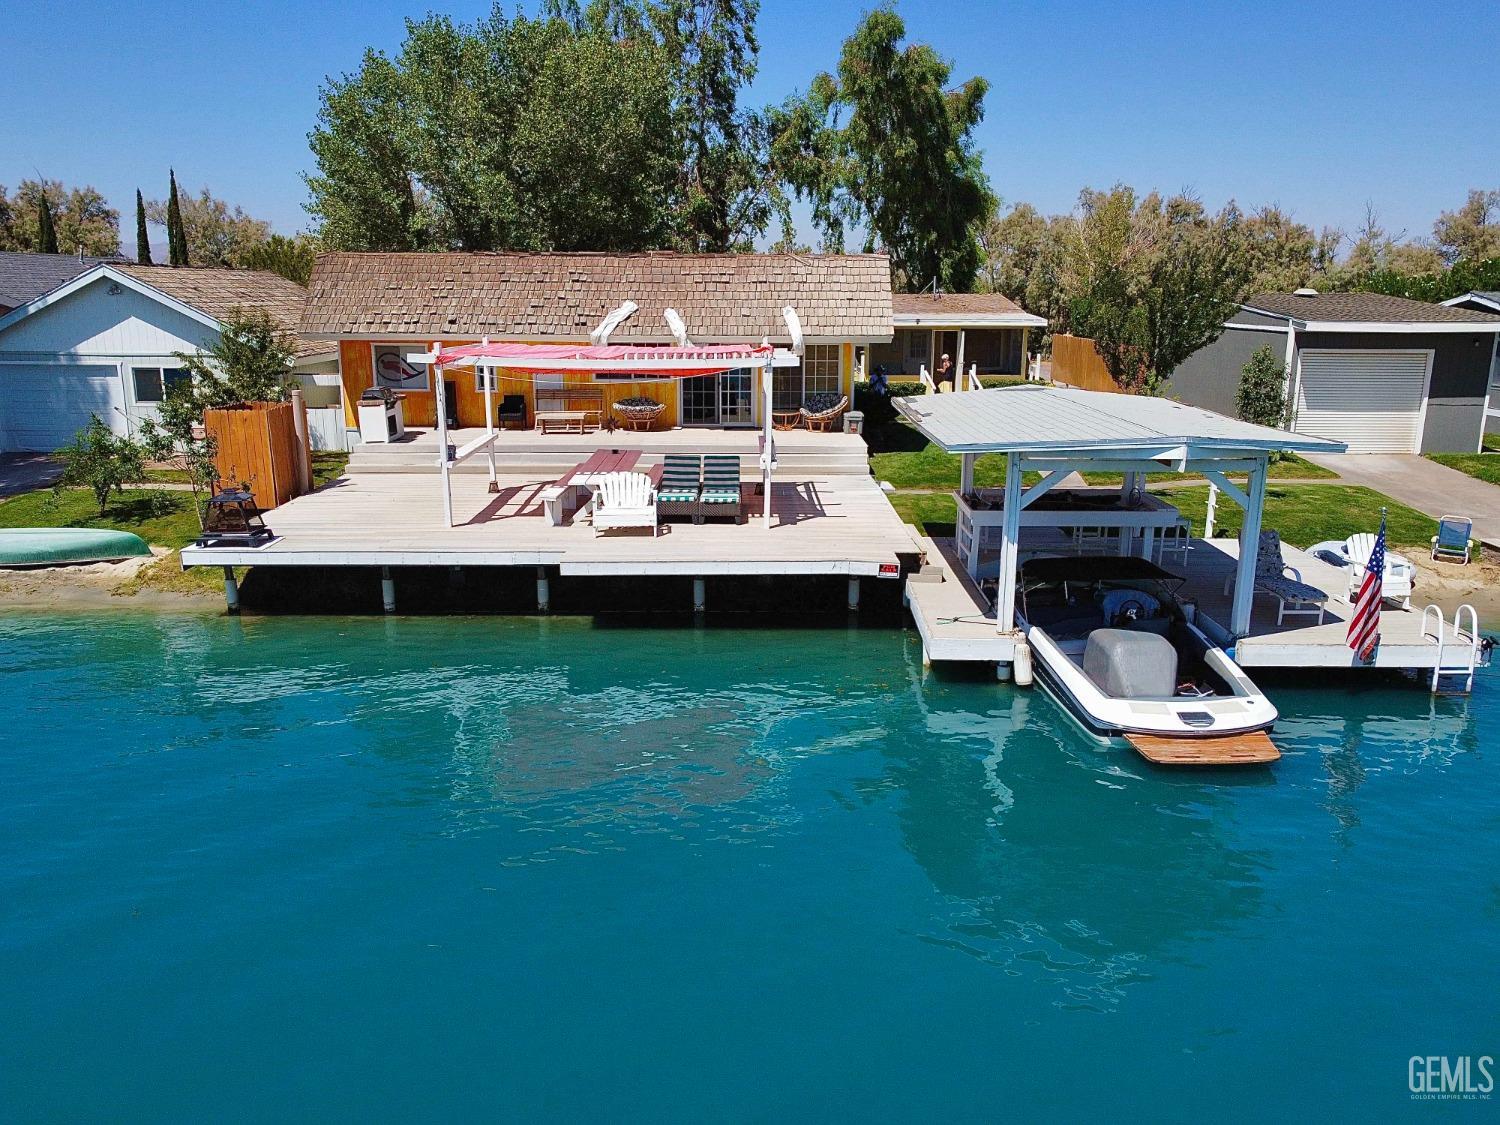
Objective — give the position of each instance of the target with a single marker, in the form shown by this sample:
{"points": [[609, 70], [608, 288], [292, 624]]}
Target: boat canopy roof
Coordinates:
{"points": [[1066, 421], [1094, 568]]}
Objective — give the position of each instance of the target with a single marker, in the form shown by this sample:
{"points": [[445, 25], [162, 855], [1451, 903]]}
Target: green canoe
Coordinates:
{"points": [[49, 546]]}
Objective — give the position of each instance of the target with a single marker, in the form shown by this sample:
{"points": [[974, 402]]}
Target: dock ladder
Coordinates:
{"points": [[1457, 658]]}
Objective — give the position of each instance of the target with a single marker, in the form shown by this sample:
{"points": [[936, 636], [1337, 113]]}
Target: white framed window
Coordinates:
{"points": [[152, 383], [394, 371], [817, 374]]}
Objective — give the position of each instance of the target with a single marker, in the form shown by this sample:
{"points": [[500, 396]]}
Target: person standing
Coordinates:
{"points": [[944, 376]]}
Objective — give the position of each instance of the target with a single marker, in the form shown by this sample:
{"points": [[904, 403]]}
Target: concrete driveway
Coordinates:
{"points": [[1424, 485], [25, 472]]}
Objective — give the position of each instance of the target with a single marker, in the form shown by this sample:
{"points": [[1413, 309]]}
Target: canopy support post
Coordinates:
{"points": [[767, 446], [440, 408], [1010, 534], [966, 473], [489, 420], [1244, 576], [958, 364]]}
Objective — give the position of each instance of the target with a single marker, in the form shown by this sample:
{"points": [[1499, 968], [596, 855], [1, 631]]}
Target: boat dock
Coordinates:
{"points": [[957, 619], [828, 517]]}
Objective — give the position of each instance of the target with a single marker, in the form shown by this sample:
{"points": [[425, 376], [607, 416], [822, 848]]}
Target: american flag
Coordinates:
{"points": [[1364, 626]]}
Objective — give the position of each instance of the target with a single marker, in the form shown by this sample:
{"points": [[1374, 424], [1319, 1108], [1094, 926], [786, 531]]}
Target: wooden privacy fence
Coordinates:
{"points": [[257, 443], [1076, 363]]}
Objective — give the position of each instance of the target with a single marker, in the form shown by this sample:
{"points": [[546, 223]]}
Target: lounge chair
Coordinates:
{"points": [[721, 487], [1399, 573], [822, 411], [1282, 582], [623, 500], [1453, 540], [681, 481]]}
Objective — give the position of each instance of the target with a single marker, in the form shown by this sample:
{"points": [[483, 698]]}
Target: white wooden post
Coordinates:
{"points": [[440, 403], [958, 361], [489, 418], [1010, 534], [966, 473], [1212, 512], [767, 447], [1244, 577], [1127, 537]]}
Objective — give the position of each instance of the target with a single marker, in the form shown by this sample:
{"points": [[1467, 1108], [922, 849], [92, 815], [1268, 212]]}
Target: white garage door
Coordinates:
{"points": [[44, 405], [1371, 400]]}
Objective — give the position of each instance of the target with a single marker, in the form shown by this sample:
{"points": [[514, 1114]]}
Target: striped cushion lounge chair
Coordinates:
{"points": [[721, 487], [1282, 582], [677, 492]]}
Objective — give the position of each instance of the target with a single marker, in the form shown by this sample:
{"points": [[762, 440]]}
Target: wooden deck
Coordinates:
{"points": [[1252, 749], [840, 526]]}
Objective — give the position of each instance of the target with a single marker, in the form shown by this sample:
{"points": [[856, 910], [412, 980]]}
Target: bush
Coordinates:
{"points": [[1261, 397], [100, 460]]}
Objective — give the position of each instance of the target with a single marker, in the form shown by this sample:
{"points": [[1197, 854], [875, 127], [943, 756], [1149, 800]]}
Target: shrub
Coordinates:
{"points": [[100, 460], [1261, 397]]}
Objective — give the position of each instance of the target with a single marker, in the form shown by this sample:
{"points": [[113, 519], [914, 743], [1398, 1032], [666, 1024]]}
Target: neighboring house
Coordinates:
{"points": [[1485, 301], [983, 329], [26, 276], [1383, 374], [103, 343], [378, 308]]}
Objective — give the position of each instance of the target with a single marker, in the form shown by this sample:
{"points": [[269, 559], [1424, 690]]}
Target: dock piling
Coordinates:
{"points": [[854, 595], [231, 590], [700, 596], [387, 590], [543, 591]]}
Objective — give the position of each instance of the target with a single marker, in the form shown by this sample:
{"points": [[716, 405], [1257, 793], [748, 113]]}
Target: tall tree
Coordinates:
{"points": [[213, 233], [1152, 280], [142, 236], [1023, 254], [886, 145], [548, 133], [46, 237], [81, 220], [1373, 250], [292, 258], [177, 247], [1472, 232], [1284, 254]]}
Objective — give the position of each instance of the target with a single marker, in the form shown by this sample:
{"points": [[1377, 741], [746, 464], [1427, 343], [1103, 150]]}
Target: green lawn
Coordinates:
{"points": [[326, 467], [163, 519], [1304, 514], [1484, 466], [1290, 467]]}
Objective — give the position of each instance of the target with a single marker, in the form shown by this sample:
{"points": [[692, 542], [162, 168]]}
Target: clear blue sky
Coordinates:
{"points": [[1299, 104]]}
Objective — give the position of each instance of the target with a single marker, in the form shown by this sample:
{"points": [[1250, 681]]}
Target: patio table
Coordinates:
{"points": [[586, 475]]}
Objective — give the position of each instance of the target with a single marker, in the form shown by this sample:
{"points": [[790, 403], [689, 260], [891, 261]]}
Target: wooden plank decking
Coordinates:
{"points": [[1251, 749]]}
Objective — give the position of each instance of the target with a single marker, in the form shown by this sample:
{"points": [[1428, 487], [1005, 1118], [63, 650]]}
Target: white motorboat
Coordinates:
{"points": [[1110, 639]]}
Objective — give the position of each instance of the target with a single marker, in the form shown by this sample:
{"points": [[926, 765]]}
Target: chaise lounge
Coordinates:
{"points": [[680, 485], [721, 487], [1282, 582]]}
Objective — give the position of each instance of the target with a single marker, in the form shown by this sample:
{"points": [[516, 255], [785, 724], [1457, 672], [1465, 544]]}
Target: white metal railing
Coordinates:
{"points": [[1455, 660]]}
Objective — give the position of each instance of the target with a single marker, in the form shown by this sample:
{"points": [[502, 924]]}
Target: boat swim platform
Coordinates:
{"points": [[956, 619], [843, 525]]}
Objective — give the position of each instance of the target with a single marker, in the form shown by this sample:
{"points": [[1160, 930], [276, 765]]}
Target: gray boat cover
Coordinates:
{"points": [[1131, 665]]}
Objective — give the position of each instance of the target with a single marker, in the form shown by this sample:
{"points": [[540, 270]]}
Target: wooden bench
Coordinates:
{"points": [[561, 421]]}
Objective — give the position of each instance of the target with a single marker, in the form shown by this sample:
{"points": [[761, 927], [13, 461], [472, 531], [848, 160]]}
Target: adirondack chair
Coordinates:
{"points": [[1453, 539], [721, 487], [1282, 582], [1399, 573], [681, 478], [623, 500]]}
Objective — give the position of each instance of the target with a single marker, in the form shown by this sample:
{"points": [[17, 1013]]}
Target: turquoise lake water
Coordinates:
{"points": [[447, 869]]}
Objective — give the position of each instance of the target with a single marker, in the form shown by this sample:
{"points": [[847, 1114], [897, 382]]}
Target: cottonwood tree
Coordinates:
{"points": [[1284, 254], [212, 232], [885, 145], [292, 258], [1023, 256], [81, 220], [1152, 280], [1471, 233]]}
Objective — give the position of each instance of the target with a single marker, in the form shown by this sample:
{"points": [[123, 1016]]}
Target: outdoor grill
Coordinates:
{"points": [[233, 520]]}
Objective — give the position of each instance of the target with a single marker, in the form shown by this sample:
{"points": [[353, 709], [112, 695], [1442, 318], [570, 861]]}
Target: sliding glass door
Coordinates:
{"points": [[719, 400]]}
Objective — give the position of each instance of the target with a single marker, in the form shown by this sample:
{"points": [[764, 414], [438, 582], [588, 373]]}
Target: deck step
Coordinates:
{"points": [[553, 464], [1250, 749]]}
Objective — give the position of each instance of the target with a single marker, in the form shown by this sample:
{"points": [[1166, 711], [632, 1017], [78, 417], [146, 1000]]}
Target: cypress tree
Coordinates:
{"points": [[142, 242], [176, 236], [46, 233]]}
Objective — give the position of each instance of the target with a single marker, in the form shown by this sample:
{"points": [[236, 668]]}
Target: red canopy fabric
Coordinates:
{"points": [[671, 362]]}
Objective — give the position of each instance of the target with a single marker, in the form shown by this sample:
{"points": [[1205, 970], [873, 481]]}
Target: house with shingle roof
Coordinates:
{"points": [[1383, 374], [24, 276], [103, 342], [986, 331], [373, 307]]}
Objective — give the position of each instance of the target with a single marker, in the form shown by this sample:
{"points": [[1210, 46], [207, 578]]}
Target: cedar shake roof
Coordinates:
{"points": [[1363, 308], [522, 295], [968, 304], [218, 292]]}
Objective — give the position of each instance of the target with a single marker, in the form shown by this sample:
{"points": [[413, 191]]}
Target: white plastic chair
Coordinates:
{"points": [[623, 500]]}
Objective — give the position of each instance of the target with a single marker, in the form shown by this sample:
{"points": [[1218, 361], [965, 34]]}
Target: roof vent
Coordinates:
{"points": [[1305, 292]]}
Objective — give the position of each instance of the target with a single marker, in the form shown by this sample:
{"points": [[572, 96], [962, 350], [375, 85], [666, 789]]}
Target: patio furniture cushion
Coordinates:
{"points": [[721, 479], [680, 477]]}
